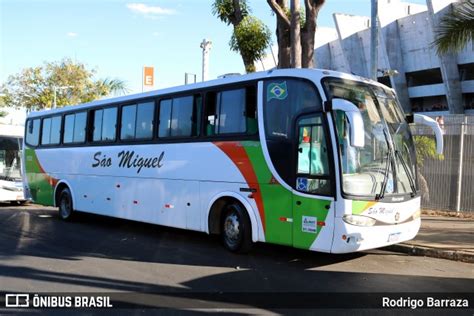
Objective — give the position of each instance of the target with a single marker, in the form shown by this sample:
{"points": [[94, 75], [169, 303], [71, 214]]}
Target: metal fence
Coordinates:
{"points": [[450, 181]]}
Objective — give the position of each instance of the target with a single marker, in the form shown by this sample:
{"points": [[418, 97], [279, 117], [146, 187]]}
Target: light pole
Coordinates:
{"points": [[374, 40], [55, 89], [206, 47], [188, 75]]}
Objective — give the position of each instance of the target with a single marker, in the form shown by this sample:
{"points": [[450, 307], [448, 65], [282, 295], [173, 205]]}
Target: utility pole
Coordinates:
{"points": [[188, 75], [206, 46], [374, 40], [55, 91]]}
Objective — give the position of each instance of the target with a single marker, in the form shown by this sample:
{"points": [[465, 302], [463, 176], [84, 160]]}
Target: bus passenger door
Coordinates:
{"points": [[312, 197]]}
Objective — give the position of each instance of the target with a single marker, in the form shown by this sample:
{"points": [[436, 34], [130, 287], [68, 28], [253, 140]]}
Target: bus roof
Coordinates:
{"points": [[314, 75], [12, 130]]}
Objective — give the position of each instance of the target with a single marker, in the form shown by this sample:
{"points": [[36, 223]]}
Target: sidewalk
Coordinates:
{"points": [[442, 237]]}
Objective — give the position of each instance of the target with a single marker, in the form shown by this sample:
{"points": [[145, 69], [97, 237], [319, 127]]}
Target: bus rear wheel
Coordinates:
{"points": [[236, 229], [65, 204]]}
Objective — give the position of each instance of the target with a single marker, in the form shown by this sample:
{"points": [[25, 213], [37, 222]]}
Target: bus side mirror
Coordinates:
{"points": [[356, 124], [428, 121]]}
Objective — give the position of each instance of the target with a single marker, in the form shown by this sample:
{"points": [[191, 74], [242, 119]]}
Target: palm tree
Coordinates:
{"points": [[456, 28], [115, 86]]}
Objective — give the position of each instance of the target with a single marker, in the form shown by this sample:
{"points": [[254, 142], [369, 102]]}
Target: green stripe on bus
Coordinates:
{"points": [[276, 199], [39, 183], [278, 204]]}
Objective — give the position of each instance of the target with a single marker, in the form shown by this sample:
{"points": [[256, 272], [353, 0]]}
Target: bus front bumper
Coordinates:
{"points": [[351, 238]]}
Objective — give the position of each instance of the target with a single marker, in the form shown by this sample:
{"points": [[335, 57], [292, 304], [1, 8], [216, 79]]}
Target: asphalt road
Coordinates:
{"points": [[41, 253]]}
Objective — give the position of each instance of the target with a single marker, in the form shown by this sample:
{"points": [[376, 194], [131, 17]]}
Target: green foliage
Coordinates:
{"points": [[425, 148], [251, 37], [224, 10], [34, 87], [456, 28], [288, 15]]}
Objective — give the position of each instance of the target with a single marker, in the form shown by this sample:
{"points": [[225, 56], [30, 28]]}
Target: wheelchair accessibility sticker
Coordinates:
{"points": [[302, 184]]}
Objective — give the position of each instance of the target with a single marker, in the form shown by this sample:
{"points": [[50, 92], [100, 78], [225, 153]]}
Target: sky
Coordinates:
{"points": [[118, 37]]}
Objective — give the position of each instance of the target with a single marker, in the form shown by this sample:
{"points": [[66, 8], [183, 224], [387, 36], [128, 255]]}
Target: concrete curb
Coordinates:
{"points": [[416, 250]]}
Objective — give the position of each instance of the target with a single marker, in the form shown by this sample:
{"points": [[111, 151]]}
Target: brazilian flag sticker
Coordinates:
{"points": [[277, 91]]}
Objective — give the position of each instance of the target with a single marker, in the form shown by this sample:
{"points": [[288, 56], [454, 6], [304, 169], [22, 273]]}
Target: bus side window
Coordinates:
{"points": [[97, 125], [32, 135], [144, 126], [165, 118], [196, 119], [231, 112], [104, 124], [137, 121], [75, 128], [129, 113], [68, 135], [178, 117], [109, 124], [51, 132], [181, 116], [251, 110], [210, 114], [80, 122], [45, 131]]}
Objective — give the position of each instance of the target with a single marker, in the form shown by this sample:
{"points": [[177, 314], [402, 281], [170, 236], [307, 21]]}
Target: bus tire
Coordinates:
{"points": [[236, 230], [65, 205]]}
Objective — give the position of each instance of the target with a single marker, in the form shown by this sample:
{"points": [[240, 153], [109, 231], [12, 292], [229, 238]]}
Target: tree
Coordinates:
{"points": [[34, 87], [295, 34], [250, 36], [456, 28], [307, 31]]}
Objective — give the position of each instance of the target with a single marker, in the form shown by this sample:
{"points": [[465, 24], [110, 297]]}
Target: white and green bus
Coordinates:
{"points": [[314, 159]]}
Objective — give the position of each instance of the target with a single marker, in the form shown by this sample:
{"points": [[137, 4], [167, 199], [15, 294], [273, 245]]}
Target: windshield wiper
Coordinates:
{"points": [[409, 176], [380, 195]]}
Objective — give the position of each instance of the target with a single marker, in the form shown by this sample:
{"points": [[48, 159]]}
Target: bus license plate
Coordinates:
{"points": [[394, 237]]}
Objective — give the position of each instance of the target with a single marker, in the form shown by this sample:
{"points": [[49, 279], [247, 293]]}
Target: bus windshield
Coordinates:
{"points": [[386, 163], [10, 158]]}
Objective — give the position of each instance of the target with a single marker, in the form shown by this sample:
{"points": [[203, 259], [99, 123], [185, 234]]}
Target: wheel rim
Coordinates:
{"points": [[232, 229], [65, 207]]}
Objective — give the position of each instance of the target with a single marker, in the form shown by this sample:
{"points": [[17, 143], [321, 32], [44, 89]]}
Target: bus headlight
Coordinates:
{"points": [[359, 220], [417, 214]]}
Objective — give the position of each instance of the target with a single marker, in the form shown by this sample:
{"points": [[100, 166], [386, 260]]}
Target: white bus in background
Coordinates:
{"points": [[11, 185]]}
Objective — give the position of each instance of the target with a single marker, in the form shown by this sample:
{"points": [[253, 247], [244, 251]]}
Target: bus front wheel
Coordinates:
{"points": [[65, 204], [236, 229]]}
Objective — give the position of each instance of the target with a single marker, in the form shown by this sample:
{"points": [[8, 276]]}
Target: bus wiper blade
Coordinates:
{"points": [[387, 169], [409, 176], [380, 195]]}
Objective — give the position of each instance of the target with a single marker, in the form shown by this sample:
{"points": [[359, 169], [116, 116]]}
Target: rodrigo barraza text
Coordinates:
{"points": [[428, 302]]}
